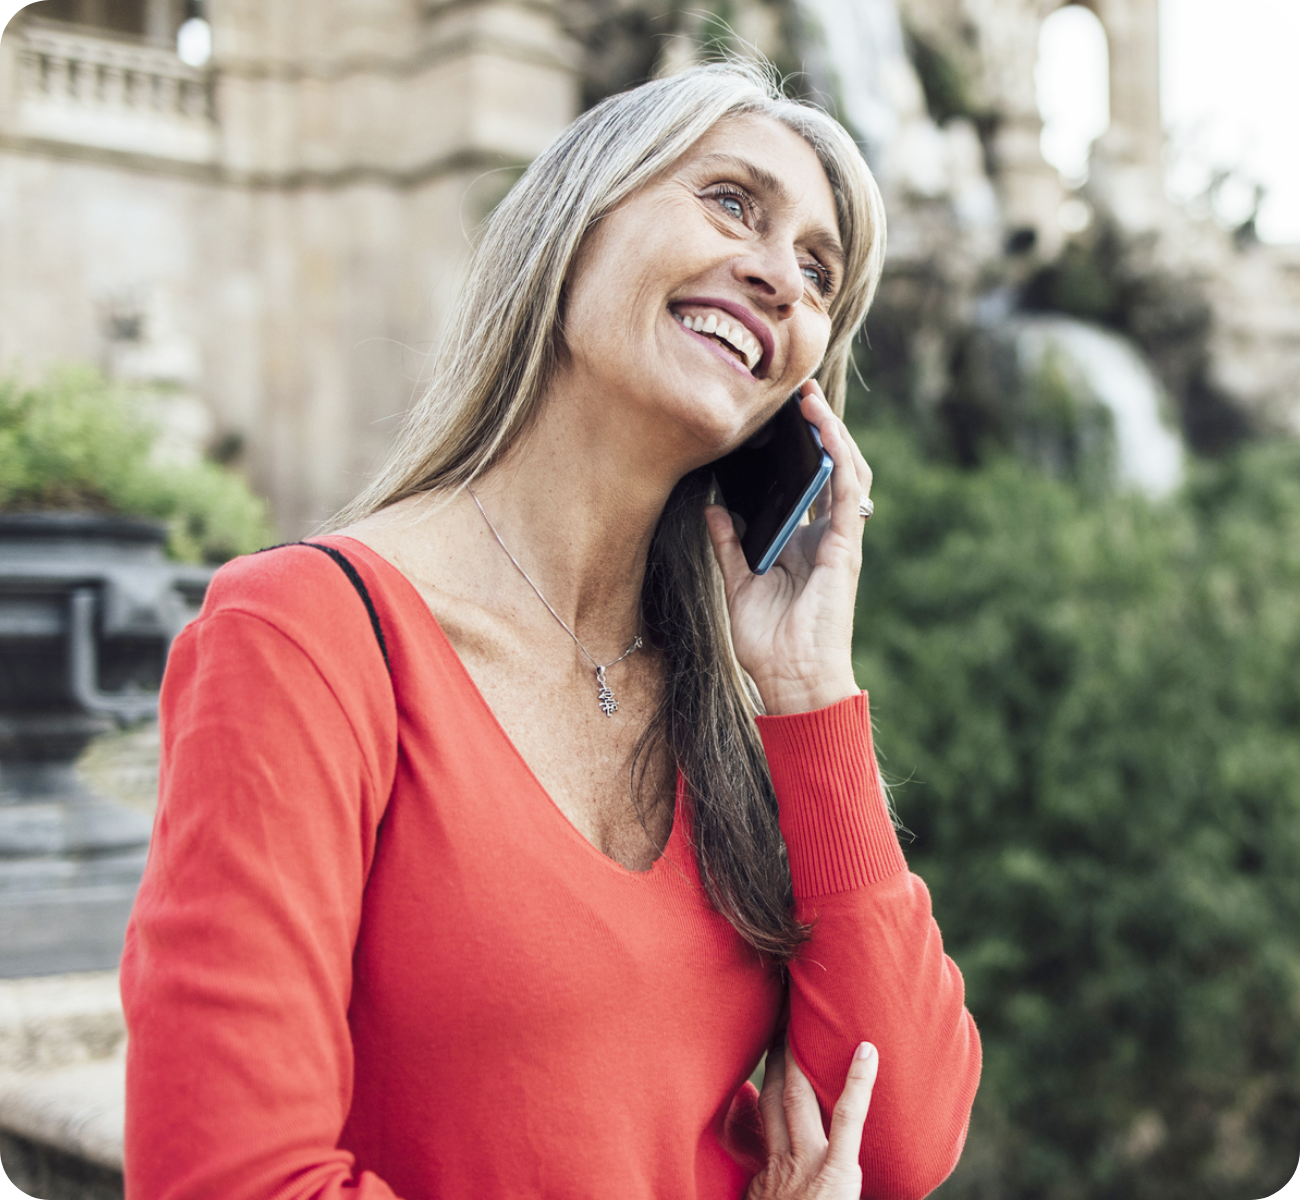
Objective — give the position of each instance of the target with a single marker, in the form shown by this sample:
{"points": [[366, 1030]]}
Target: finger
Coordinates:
{"points": [[850, 1113], [862, 467], [821, 413], [864, 481], [846, 487], [726, 546], [810, 387], [831, 428], [814, 405], [817, 410], [803, 1115], [770, 1105]]}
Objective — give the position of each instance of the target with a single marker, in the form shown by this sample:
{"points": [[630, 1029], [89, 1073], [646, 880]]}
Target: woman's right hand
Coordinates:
{"points": [[802, 1162]]}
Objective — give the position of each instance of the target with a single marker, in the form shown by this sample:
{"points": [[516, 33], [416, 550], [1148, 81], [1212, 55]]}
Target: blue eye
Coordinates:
{"points": [[819, 276], [734, 202]]}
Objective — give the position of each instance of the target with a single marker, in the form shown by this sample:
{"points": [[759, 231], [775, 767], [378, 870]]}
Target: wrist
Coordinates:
{"points": [[785, 697]]}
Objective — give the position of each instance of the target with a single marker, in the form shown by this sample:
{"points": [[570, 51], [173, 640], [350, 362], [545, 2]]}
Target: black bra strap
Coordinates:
{"points": [[355, 580]]}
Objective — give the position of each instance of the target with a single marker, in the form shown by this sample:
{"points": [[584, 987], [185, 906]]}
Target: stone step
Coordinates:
{"points": [[62, 1086]]}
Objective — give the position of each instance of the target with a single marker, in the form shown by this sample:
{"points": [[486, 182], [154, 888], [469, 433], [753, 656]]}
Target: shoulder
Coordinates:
{"points": [[304, 594], [283, 583]]}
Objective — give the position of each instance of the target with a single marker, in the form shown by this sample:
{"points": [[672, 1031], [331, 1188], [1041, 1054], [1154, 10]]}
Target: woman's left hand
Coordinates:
{"points": [[803, 1162], [793, 627]]}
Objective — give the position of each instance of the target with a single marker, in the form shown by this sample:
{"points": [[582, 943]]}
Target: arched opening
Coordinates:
{"points": [[1072, 81]]}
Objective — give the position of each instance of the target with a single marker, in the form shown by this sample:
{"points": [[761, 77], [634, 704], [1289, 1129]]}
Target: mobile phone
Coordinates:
{"points": [[769, 481]]}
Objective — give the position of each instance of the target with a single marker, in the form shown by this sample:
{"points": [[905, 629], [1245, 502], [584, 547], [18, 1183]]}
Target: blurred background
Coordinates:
{"points": [[230, 231]]}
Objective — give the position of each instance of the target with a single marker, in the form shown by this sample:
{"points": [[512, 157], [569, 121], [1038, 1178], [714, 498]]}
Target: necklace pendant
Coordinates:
{"points": [[608, 705]]}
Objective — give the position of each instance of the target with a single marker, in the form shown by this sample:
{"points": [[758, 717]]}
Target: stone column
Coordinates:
{"points": [[1128, 160], [363, 142], [159, 21], [1133, 30], [1029, 188]]}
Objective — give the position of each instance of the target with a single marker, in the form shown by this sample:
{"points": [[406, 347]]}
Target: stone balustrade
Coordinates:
{"points": [[93, 89]]}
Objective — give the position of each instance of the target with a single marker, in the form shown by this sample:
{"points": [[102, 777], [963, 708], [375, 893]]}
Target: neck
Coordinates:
{"points": [[575, 504]]}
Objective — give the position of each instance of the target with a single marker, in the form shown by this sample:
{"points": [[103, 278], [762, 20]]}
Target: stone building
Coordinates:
{"points": [[1217, 312], [277, 234]]}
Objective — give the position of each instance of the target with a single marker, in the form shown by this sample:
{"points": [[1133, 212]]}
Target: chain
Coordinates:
{"points": [[604, 695]]}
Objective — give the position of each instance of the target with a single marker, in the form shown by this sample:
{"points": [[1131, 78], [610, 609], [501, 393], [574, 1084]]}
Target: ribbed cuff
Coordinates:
{"points": [[833, 813]]}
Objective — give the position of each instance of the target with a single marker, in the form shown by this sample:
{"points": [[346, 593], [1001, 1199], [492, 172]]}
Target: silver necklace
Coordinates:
{"points": [[604, 694]]}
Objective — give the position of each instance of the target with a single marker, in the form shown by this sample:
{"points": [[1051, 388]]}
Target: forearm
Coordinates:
{"points": [[874, 968]]}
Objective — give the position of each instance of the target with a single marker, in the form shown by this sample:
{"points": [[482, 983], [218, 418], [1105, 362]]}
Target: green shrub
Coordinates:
{"points": [[75, 441], [1090, 709]]}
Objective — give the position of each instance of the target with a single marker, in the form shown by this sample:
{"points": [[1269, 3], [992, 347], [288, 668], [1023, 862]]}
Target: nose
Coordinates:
{"points": [[771, 271]]}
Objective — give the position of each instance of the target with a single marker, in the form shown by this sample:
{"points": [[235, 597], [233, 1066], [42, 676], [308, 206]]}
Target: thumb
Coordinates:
{"points": [[726, 546], [850, 1114]]}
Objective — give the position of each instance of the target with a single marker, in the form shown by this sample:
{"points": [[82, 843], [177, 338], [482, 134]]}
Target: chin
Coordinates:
{"points": [[718, 428]]}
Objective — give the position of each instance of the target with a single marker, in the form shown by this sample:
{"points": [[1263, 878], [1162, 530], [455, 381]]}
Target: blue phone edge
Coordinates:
{"points": [[796, 514]]}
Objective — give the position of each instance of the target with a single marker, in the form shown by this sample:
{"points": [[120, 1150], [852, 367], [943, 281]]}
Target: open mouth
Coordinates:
{"points": [[724, 329]]}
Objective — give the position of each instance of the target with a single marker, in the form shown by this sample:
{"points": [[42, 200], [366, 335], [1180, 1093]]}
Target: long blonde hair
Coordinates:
{"points": [[490, 377]]}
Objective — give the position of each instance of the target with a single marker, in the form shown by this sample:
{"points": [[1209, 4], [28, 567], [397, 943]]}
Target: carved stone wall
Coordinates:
{"points": [[981, 56], [281, 232]]}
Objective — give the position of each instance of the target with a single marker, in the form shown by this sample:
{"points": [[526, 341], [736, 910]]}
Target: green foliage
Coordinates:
{"points": [[75, 441], [1090, 708]]}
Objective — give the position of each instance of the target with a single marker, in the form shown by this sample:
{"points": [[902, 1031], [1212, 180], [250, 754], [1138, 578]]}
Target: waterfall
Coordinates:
{"points": [[1113, 374], [856, 56]]}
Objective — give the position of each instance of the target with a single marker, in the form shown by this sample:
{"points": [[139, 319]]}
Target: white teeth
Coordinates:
{"points": [[735, 335]]}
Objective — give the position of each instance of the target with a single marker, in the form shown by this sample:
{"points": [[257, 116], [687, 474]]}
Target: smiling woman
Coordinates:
{"points": [[490, 865]]}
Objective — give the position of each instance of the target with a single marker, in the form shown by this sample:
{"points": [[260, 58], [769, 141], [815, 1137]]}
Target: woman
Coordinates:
{"points": [[474, 875]]}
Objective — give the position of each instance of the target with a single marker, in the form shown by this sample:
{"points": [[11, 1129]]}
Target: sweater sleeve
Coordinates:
{"points": [[237, 972], [874, 969]]}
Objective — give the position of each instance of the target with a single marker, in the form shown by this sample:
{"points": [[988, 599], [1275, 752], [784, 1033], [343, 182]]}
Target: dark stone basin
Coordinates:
{"points": [[89, 606]]}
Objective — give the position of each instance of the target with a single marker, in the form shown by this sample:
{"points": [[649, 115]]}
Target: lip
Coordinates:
{"points": [[747, 319]]}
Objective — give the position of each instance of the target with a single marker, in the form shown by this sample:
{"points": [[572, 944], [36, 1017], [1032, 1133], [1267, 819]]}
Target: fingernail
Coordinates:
{"points": [[865, 1051]]}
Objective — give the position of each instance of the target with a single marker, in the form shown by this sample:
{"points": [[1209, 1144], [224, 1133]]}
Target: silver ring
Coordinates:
{"points": [[865, 507]]}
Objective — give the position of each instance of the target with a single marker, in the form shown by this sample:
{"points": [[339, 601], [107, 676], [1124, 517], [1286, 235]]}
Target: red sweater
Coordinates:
{"points": [[371, 958]]}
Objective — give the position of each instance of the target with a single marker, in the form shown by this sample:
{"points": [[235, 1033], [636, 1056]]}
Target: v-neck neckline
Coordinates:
{"points": [[412, 596]]}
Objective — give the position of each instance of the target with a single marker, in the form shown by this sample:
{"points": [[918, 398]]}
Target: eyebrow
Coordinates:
{"points": [[823, 239]]}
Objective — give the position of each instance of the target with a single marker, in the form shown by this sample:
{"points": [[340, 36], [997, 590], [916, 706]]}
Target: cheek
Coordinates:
{"points": [[812, 344], [609, 321], [617, 304], [608, 338]]}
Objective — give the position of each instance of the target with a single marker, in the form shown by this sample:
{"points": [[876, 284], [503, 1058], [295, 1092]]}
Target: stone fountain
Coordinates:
{"points": [[88, 609]]}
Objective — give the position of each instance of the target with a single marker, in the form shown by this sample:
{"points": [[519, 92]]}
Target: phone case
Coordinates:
{"points": [[770, 481]]}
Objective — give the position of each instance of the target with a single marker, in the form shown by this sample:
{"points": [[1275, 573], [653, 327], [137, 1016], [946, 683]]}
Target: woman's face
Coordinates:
{"points": [[703, 300]]}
